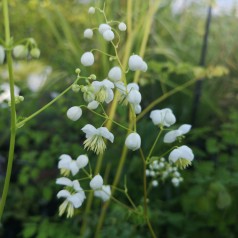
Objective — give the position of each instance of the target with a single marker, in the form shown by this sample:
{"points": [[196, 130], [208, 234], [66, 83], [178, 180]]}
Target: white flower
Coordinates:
{"points": [[74, 113], [2, 54], [95, 138], [104, 27], [5, 94], [104, 193], [87, 59], [20, 51], [171, 136], [133, 141], [175, 182], [64, 181], [67, 165], [82, 161], [103, 90], [96, 182], [155, 183], [137, 63], [93, 105], [122, 26], [164, 117], [134, 97], [115, 74], [137, 108], [182, 156], [108, 35], [72, 200], [91, 10], [88, 33]]}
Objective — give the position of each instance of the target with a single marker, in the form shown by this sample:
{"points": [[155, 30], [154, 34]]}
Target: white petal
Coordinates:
{"points": [[63, 194], [74, 113], [133, 141], [134, 97], [108, 35], [131, 86], [103, 193], [88, 33], [96, 182], [122, 26], [137, 108], [76, 200], [115, 74], [106, 133], [97, 86], [103, 27], [76, 186], [169, 118], [74, 167], [185, 128], [107, 83], [135, 62], [110, 96], [175, 155], [121, 87], [64, 181], [93, 105], [87, 59], [89, 130], [82, 161], [144, 66], [186, 152], [64, 162], [171, 136]]}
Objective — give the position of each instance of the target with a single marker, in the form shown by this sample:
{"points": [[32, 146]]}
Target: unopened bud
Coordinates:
{"points": [[35, 53]]}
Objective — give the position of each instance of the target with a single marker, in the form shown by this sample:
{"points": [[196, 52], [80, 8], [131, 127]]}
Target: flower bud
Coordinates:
{"points": [[77, 71], [20, 52], [93, 105], [87, 59], [75, 88], [88, 33], [74, 113], [2, 55], [35, 53], [133, 141], [91, 10], [134, 97], [108, 35], [103, 27], [93, 77], [122, 26], [96, 182], [115, 74]]}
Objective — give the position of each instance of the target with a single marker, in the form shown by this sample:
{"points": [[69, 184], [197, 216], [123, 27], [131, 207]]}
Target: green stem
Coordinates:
{"points": [[13, 108], [155, 142]]}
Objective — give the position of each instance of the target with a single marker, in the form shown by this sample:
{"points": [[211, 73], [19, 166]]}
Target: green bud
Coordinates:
{"points": [[19, 99], [20, 52], [35, 53], [75, 88], [77, 71], [93, 77]]}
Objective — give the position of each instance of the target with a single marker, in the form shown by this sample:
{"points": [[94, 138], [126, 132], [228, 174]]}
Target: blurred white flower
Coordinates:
{"points": [[87, 59], [95, 138], [5, 94], [93, 105], [74, 113], [82, 161], [137, 63], [88, 33], [171, 136], [66, 165], [164, 117], [103, 90], [91, 10], [20, 51], [103, 27], [108, 35], [182, 156], [96, 182], [115, 74], [122, 26], [133, 141], [104, 193]]}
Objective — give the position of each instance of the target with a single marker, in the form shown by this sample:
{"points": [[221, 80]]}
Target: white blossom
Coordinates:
{"points": [[164, 117], [134, 97], [88, 33], [155, 183], [104, 193], [95, 138], [2, 54], [108, 35], [91, 10], [104, 27], [74, 113], [5, 94], [87, 59], [137, 63], [171, 136], [96, 182], [122, 26], [66, 165], [93, 105], [64, 181], [82, 161], [133, 141], [181, 156], [103, 90], [115, 74]]}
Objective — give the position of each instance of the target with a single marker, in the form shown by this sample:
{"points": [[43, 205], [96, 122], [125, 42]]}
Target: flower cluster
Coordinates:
{"points": [[161, 170], [72, 192]]}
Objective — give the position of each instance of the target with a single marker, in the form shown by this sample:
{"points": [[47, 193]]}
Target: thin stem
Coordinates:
{"points": [[155, 142], [13, 109]]}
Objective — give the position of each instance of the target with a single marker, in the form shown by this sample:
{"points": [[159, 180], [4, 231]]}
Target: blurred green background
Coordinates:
{"points": [[205, 204]]}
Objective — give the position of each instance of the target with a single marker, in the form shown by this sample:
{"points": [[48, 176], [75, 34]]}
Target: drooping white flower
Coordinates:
{"points": [[171, 136], [103, 27], [108, 35], [133, 141], [5, 94], [93, 105], [95, 138], [66, 165], [122, 26], [82, 161], [87, 59], [2, 54], [88, 33], [137, 63], [91, 10], [103, 90], [74, 113], [164, 117], [104, 193], [96, 182], [115, 74], [72, 200], [182, 156]]}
